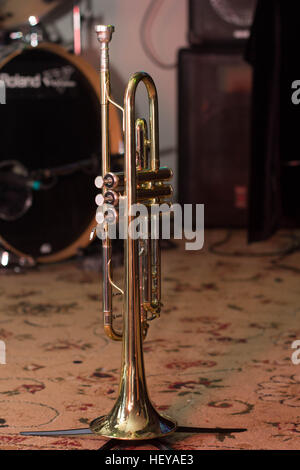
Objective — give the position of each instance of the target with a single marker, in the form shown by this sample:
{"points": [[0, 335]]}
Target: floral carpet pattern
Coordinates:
{"points": [[219, 356]]}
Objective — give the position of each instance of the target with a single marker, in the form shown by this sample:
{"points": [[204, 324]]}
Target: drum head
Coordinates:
{"points": [[52, 118]]}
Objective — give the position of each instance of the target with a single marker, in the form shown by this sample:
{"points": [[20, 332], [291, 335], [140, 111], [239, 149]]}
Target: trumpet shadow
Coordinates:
{"points": [[164, 445], [122, 444]]}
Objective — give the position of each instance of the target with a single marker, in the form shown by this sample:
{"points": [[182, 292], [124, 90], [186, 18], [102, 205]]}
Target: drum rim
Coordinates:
{"points": [[115, 138]]}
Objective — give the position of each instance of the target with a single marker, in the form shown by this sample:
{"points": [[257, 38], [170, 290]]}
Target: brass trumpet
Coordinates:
{"points": [[143, 181]]}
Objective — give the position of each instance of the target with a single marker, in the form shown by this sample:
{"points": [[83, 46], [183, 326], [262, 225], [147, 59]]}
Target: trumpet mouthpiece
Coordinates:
{"points": [[104, 32]]}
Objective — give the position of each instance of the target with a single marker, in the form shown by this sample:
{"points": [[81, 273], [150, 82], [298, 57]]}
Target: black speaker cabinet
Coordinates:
{"points": [[214, 133], [220, 20]]}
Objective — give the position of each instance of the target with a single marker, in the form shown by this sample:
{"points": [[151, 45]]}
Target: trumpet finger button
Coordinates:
{"points": [[100, 217], [99, 200], [99, 182]]}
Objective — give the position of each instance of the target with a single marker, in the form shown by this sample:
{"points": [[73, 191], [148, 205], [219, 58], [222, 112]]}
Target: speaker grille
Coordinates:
{"points": [[214, 135], [220, 20]]}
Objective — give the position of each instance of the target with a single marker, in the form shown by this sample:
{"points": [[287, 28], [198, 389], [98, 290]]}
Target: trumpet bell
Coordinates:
{"points": [[139, 423]]}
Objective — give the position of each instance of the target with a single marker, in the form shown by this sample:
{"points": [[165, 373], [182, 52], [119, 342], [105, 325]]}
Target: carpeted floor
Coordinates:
{"points": [[220, 355]]}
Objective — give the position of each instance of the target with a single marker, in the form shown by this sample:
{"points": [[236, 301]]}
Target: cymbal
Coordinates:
{"points": [[14, 13]]}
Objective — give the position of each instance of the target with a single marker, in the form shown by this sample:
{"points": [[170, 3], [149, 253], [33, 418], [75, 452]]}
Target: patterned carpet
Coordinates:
{"points": [[220, 355]]}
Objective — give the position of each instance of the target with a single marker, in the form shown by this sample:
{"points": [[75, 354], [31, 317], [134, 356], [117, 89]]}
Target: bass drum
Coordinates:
{"points": [[52, 119]]}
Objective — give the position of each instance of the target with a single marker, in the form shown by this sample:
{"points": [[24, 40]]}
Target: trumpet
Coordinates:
{"points": [[133, 415]]}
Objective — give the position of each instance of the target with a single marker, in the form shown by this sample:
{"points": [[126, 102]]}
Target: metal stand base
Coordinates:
{"points": [[121, 444]]}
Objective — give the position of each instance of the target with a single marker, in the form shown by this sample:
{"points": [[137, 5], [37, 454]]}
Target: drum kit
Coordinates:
{"points": [[50, 146], [50, 154]]}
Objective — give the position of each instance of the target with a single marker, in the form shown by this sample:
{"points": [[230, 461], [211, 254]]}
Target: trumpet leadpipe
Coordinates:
{"points": [[104, 35]]}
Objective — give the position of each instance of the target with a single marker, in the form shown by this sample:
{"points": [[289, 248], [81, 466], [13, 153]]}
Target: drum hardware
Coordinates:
{"points": [[14, 13], [26, 23], [11, 263], [32, 33], [35, 34], [18, 184], [15, 196], [17, 180], [133, 416]]}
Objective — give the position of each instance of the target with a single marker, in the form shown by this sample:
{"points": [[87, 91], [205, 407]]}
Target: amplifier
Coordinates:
{"points": [[214, 133], [220, 20]]}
